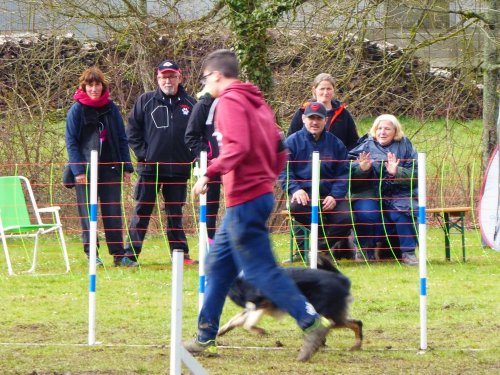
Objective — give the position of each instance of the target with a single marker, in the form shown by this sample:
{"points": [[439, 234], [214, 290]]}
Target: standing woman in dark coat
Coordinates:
{"points": [[384, 187], [338, 121], [94, 123]]}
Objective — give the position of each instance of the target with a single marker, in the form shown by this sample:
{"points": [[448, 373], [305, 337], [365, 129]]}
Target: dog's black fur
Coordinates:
{"points": [[326, 288]]}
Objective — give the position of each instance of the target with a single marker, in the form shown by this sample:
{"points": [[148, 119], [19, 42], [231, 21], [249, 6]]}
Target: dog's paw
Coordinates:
{"points": [[355, 347], [259, 331]]}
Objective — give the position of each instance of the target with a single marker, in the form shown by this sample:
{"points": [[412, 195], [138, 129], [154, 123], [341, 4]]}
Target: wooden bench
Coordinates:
{"points": [[449, 218]]}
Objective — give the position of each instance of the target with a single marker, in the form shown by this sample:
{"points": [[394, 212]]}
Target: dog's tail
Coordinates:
{"points": [[324, 263]]}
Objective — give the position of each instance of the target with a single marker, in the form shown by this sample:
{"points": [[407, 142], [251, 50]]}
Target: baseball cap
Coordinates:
{"points": [[315, 109], [168, 66]]}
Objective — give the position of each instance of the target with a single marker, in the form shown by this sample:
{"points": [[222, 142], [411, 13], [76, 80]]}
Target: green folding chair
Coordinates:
{"points": [[15, 219]]}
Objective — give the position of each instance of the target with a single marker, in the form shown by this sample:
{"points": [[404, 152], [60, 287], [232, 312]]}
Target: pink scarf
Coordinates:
{"points": [[82, 97]]}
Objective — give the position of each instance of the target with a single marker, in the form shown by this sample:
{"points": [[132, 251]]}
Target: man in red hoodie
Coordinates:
{"points": [[251, 156]]}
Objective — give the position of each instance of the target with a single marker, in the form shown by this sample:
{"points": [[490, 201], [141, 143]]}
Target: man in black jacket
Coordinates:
{"points": [[200, 137], [155, 130]]}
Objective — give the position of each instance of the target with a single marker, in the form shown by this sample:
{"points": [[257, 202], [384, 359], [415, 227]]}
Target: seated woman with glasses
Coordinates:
{"points": [[384, 188]]}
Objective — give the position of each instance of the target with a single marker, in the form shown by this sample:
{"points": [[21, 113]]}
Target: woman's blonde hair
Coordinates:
{"points": [[320, 78], [395, 123], [92, 74]]}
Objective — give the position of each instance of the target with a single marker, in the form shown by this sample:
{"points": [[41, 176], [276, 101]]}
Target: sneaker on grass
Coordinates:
{"points": [[98, 261], [409, 258], [195, 347], [132, 255], [314, 337], [188, 261], [125, 262]]}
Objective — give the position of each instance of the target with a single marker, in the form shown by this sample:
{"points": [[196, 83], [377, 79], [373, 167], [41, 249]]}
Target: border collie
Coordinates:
{"points": [[326, 288]]}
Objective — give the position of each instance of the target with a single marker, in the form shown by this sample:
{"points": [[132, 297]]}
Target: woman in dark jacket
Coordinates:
{"points": [[94, 123], [384, 179], [339, 121]]}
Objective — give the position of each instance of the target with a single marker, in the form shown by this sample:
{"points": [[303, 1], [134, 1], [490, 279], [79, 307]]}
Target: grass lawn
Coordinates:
{"points": [[44, 318]]}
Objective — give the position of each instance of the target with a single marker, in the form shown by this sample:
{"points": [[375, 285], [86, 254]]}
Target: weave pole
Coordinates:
{"points": [[177, 352], [203, 236], [176, 314], [92, 245], [422, 244], [313, 254]]}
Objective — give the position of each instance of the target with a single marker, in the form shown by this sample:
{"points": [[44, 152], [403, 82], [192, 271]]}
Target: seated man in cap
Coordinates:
{"points": [[333, 206], [156, 127]]}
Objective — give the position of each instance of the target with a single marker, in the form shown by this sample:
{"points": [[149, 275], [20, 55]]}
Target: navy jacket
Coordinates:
{"points": [[343, 126], [333, 170], [155, 130], [401, 189], [82, 135]]}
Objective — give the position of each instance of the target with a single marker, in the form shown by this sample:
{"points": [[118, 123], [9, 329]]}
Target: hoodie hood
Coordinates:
{"points": [[251, 92], [250, 157]]}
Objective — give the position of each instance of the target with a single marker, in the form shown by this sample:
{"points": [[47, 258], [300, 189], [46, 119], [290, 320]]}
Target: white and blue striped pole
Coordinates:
{"points": [[313, 240], [93, 245], [202, 237], [178, 354], [176, 312], [422, 245]]}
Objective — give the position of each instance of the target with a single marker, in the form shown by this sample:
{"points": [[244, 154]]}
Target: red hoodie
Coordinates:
{"points": [[249, 159]]}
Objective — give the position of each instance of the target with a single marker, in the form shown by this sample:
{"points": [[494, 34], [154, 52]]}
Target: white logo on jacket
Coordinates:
{"points": [[218, 136], [158, 117]]}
